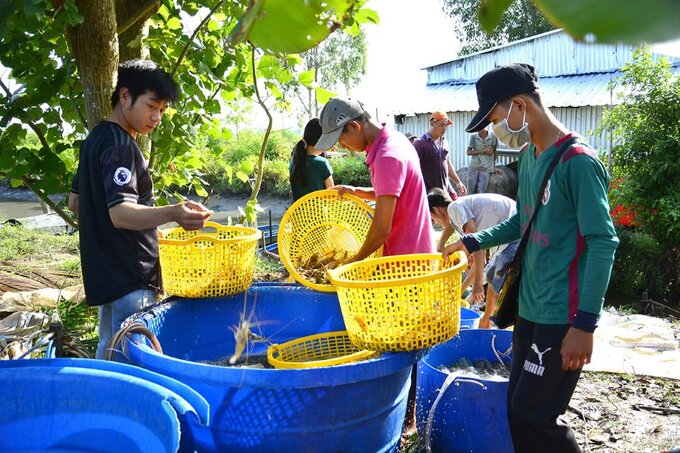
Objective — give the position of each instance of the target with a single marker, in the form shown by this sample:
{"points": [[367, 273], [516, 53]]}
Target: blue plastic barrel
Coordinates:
{"points": [[471, 415], [356, 407], [73, 405], [469, 319]]}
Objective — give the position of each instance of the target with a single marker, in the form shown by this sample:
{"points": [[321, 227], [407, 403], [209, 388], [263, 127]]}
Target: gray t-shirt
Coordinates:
{"points": [[482, 162]]}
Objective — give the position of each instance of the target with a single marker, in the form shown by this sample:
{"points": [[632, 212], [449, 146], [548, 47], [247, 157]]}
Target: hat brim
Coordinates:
{"points": [[481, 119], [327, 141]]}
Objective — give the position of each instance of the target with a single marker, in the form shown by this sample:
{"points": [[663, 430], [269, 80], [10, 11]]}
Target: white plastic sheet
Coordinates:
{"points": [[635, 344]]}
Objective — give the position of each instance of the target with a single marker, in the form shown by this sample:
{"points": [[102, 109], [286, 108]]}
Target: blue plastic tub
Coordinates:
{"points": [[73, 405], [469, 319], [356, 407], [471, 415]]}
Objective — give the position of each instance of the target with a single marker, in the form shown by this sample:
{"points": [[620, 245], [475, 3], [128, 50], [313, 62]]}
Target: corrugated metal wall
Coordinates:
{"points": [[583, 120]]}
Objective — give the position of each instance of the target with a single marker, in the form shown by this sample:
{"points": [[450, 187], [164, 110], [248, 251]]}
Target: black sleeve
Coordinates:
{"points": [[75, 184], [119, 173]]}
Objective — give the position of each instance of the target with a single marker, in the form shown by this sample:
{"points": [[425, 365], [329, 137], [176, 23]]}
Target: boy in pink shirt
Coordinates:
{"points": [[402, 218]]}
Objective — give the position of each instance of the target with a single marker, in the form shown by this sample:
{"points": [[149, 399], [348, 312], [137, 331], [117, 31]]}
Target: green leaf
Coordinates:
{"points": [[490, 13], [611, 21], [200, 191], [174, 24], [268, 65], [293, 26], [164, 12], [323, 95], [365, 15], [274, 90], [306, 78], [213, 25], [242, 176], [294, 59], [247, 167]]}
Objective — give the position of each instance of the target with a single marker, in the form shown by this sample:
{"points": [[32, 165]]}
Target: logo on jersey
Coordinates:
{"points": [[546, 194], [122, 176]]}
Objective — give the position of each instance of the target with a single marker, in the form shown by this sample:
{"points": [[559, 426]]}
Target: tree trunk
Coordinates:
{"points": [[94, 43], [127, 11]]}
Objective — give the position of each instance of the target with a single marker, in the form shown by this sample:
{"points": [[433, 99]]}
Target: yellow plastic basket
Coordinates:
{"points": [[321, 223], [207, 264], [402, 302], [324, 349]]}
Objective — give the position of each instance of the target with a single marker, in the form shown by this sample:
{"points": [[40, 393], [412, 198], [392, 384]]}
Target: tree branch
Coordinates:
{"points": [[45, 199], [263, 148], [141, 13], [31, 124], [193, 35], [28, 181]]}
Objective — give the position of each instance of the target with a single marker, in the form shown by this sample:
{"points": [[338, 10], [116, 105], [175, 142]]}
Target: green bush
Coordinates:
{"points": [[351, 170], [646, 129], [241, 154], [641, 264], [275, 180]]}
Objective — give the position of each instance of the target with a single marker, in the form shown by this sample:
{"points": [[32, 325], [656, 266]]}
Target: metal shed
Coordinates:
{"points": [[574, 78]]}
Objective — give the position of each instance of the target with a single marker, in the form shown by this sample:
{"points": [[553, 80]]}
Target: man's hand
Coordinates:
{"points": [[452, 248], [485, 320], [343, 189], [477, 292], [498, 171], [577, 348], [461, 188], [191, 215]]}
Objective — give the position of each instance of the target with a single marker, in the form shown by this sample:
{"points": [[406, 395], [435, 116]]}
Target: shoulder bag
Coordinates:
{"points": [[508, 299]]}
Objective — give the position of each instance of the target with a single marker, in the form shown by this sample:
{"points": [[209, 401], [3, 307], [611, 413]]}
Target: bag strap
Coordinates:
{"points": [[519, 254]]}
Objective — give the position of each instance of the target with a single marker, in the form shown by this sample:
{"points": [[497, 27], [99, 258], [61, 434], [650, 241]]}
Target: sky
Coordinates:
{"points": [[410, 36]]}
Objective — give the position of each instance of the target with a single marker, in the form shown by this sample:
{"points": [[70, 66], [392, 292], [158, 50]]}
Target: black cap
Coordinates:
{"points": [[499, 84]]}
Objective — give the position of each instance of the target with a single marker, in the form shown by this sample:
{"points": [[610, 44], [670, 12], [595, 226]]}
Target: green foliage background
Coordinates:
{"points": [[241, 153], [646, 157]]}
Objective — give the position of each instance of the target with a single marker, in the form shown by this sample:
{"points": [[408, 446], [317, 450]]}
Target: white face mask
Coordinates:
{"points": [[509, 137]]}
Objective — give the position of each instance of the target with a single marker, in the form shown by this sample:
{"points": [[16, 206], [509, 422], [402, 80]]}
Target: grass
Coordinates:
{"points": [[70, 265], [20, 243], [269, 270]]}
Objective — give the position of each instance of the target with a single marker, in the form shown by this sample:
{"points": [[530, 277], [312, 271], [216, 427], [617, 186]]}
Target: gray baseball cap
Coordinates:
{"points": [[335, 114]]}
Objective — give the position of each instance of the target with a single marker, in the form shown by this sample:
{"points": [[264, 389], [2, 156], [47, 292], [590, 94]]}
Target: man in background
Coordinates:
{"points": [[434, 158], [482, 150]]}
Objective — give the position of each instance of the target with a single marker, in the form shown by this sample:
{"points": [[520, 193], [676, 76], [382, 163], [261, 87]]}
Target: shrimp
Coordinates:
{"points": [[243, 334]]}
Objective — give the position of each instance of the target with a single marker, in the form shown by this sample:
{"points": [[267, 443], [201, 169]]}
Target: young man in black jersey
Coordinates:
{"points": [[113, 195]]}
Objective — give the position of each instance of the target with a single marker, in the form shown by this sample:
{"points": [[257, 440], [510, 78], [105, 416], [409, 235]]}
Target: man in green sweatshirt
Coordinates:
{"points": [[567, 262]]}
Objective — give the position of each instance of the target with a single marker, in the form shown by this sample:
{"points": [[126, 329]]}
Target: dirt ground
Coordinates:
{"points": [[624, 413], [618, 413]]}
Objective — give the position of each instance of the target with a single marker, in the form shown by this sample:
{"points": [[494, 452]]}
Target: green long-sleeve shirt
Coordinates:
{"points": [[570, 253]]}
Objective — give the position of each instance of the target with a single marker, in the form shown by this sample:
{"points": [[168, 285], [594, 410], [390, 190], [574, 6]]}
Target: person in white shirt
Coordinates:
{"points": [[470, 214]]}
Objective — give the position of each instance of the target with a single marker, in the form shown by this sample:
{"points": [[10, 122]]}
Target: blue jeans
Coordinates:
{"points": [[477, 181], [112, 315], [498, 266]]}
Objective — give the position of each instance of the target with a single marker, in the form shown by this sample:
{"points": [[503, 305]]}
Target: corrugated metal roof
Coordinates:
{"points": [[553, 54], [561, 91]]}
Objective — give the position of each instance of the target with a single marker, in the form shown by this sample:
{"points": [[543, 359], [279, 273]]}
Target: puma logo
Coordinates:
{"points": [[539, 353]]}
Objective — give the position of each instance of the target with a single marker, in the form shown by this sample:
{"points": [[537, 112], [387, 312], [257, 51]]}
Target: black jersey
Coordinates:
{"points": [[115, 262]]}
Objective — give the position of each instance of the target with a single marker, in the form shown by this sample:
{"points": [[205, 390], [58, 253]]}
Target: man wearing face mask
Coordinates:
{"points": [[567, 262]]}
